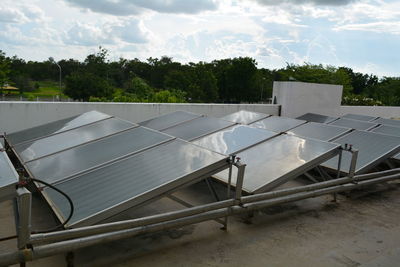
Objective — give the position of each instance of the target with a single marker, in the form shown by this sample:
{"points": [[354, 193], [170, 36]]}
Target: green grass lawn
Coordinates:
{"points": [[47, 89]]}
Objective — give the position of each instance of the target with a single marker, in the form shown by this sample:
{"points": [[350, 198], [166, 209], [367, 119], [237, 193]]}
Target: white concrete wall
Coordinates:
{"points": [[298, 98], [379, 111], [15, 116]]}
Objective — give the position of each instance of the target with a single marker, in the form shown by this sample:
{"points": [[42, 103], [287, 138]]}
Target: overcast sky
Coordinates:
{"points": [[362, 34]]}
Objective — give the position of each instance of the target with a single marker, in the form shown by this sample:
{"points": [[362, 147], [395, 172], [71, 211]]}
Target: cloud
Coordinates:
{"points": [[133, 7], [12, 15], [392, 27], [90, 34], [301, 2]]}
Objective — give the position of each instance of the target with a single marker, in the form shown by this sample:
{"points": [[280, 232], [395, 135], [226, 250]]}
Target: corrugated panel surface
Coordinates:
{"points": [[109, 190], [373, 148], [234, 139], [313, 117], [55, 143], [319, 131], [354, 124], [168, 120], [198, 127], [389, 122], [359, 117], [277, 124], [66, 163], [245, 117], [56, 127], [8, 176], [278, 160]]}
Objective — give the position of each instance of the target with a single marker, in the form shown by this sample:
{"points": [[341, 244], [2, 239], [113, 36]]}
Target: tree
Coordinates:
{"points": [[4, 70], [83, 85]]}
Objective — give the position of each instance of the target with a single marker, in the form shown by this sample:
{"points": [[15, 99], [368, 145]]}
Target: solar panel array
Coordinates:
{"points": [[354, 124], [359, 117], [109, 165], [8, 176], [319, 131], [313, 117], [278, 124], [168, 120]]}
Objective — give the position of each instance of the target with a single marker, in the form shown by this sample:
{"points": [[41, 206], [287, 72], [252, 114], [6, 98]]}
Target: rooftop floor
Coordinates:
{"points": [[361, 230]]}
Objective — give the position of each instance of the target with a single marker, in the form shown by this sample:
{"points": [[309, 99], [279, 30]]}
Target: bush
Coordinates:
{"points": [[359, 100]]}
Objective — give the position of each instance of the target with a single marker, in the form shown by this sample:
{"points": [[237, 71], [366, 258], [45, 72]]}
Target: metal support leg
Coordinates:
{"points": [[23, 216], [228, 188], [239, 180], [353, 163], [70, 259]]}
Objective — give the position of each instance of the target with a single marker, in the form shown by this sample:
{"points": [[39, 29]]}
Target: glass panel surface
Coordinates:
{"points": [[319, 131], [275, 161], [8, 175], [198, 127], [354, 124], [372, 149], [66, 163], [56, 127], [277, 124], [386, 129], [387, 122], [359, 117], [245, 117], [48, 145], [316, 118], [165, 121], [133, 180], [233, 139]]}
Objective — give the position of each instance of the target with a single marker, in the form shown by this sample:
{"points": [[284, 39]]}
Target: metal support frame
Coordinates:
{"points": [[23, 216]]}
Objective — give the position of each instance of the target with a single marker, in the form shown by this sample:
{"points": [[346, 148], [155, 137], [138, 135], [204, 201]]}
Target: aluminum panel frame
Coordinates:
{"points": [[283, 158], [9, 177], [373, 148], [98, 189], [319, 131], [277, 124]]}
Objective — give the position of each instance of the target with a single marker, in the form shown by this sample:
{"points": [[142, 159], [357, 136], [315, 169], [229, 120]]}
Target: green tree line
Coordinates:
{"points": [[231, 80]]}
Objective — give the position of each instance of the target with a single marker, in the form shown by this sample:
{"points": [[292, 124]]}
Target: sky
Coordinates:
{"points": [[361, 34]]}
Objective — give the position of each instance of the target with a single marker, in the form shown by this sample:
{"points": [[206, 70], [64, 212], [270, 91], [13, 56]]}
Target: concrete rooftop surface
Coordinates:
{"points": [[361, 229]]}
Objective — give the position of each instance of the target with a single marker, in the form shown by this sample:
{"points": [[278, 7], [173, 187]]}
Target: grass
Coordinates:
{"points": [[47, 89]]}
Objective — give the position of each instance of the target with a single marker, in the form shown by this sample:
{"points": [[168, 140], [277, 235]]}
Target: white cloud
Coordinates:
{"points": [[391, 27], [12, 15], [133, 7]]}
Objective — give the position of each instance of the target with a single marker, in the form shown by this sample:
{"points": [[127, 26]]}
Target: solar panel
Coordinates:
{"points": [[278, 160], [69, 162], [373, 148], [56, 127], [134, 180], [168, 120], [41, 147], [387, 129], [8, 176], [354, 124], [359, 117], [388, 122], [245, 117], [320, 131], [197, 128], [277, 124], [233, 139], [313, 117]]}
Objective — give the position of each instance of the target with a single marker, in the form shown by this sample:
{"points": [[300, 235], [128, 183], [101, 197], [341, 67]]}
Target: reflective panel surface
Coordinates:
{"points": [[354, 124], [165, 121], [111, 189], [245, 117], [277, 124], [198, 127], [319, 131], [48, 145], [278, 160], [66, 163], [8, 177], [373, 148], [388, 122], [359, 117], [313, 117], [56, 127], [386, 129], [233, 139]]}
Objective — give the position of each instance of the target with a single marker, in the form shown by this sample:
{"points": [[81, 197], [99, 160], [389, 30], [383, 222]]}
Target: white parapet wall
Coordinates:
{"points": [[15, 116], [298, 98]]}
